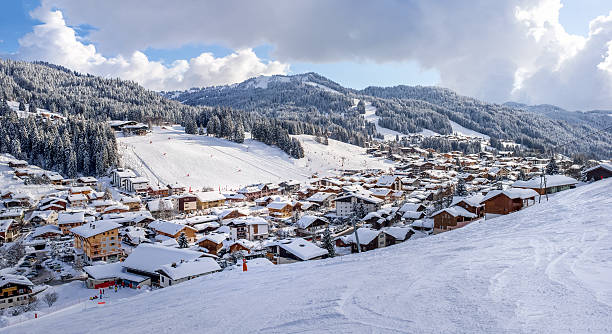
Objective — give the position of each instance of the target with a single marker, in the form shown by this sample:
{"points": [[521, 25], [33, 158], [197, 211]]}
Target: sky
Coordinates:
{"points": [[531, 51]]}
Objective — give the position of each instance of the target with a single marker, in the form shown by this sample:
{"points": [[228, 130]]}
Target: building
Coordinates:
{"points": [[107, 275], [599, 172], [392, 182], [295, 250], [137, 185], [369, 239], [554, 184], [471, 203], [187, 203], [148, 259], [69, 220], [503, 202], [209, 199], [309, 225], [173, 230], [212, 242], [9, 230], [280, 209], [14, 290], [178, 272], [451, 218], [345, 205], [250, 228], [98, 241], [120, 176]]}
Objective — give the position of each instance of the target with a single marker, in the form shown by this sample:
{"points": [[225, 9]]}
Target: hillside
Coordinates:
{"points": [[545, 269], [314, 99], [170, 155]]}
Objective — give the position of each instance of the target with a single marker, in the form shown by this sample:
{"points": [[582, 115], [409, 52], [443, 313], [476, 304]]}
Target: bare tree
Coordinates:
{"points": [[50, 298]]}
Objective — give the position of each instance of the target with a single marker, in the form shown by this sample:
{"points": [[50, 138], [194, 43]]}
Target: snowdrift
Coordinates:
{"points": [[546, 269]]}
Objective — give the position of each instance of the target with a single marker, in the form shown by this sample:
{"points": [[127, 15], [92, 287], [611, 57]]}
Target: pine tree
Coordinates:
{"points": [[461, 188], [32, 107], [213, 126], [182, 240], [328, 243], [21, 106], [552, 168], [239, 134]]}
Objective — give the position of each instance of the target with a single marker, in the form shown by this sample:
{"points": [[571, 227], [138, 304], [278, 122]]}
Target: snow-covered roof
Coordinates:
{"points": [[455, 211], [551, 181], [168, 227], [366, 235], [511, 193], [473, 200], [46, 229], [210, 196], [217, 238], [386, 180], [301, 248], [14, 279], [70, 217], [112, 270], [413, 214], [249, 221], [278, 205], [95, 228], [5, 224], [604, 165], [397, 232], [362, 196], [410, 207], [200, 266], [423, 223], [319, 197], [150, 257], [77, 197], [306, 220]]}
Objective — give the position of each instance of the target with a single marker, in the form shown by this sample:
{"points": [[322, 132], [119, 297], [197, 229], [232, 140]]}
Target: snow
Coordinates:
{"points": [[168, 156], [95, 228], [511, 193], [196, 267], [467, 132], [301, 248], [551, 181], [150, 257], [370, 116], [544, 269]]}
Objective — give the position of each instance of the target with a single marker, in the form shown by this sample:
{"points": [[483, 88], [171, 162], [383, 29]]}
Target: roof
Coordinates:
{"points": [[196, 267], [249, 221], [423, 223], [302, 249], [46, 229], [320, 197], [70, 217], [307, 220], [95, 228], [386, 180], [210, 196], [455, 211], [551, 181], [473, 200], [411, 207], [413, 214], [278, 205], [603, 165], [112, 270], [5, 224], [366, 235], [511, 193], [168, 227], [14, 279], [363, 197], [397, 232], [150, 257], [217, 238]]}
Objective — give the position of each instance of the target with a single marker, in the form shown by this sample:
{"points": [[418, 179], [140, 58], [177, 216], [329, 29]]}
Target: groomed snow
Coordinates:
{"points": [[170, 155], [466, 132], [545, 269], [370, 116]]}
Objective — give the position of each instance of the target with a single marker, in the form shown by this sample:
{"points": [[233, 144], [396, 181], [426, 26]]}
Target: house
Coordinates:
{"points": [[18, 164], [54, 178], [176, 189], [84, 190], [9, 230], [15, 213], [392, 182], [69, 220], [88, 181], [290, 186], [212, 242], [101, 204], [138, 185], [148, 259], [383, 193], [294, 250], [322, 199], [451, 218], [52, 203], [308, 225], [369, 239], [136, 218], [15, 290], [280, 209], [396, 234], [173, 230], [240, 245], [471, 203], [120, 176], [178, 272], [133, 203], [230, 214], [502, 202], [47, 232], [117, 208], [599, 172], [209, 199], [250, 228], [345, 205], [554, 184], [78, 200], [107, 275], [424, 227], [187, 203], [98, 241], [43, 217]]}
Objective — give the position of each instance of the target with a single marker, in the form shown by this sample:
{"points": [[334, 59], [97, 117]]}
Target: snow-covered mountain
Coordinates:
{"points": [[545, 269]]}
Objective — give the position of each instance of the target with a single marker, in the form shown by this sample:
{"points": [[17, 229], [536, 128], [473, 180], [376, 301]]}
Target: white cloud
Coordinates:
{"points": [[494, 50], [55, 42]]}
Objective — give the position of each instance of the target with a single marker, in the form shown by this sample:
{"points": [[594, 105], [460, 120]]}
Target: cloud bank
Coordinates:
{"points": [[493, 50]]}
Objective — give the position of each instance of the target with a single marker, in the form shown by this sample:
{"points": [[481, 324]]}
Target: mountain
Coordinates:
{"points": [[313, 99], [533, 271], [599, 119]]}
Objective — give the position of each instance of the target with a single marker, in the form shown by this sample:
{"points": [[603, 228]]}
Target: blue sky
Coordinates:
{"points": [[388, 69]]}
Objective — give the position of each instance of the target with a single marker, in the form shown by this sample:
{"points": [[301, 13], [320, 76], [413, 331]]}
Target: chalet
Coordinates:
{"points": [[138, 129], [43, 217], [84, 190], [16, 214], [345, 205], [132, 218], [187, 203], [396, 234], [15, 290], [137, 185], [106, 275], [369, 239], [47, 232], [120, 176], [241, 245], [147, 259], [178, 272], [87, 181], [599, 172], [18, 164], [173, 230], [383, 193], [471, 203], [212, 242], [502, 202], [294, 250], [554, 183], [176, 189], [160, 205], [280, 209], [9, 230], [133, 203], [54, 178], [381, 218], [209, 199], [392, 182], [250, 228], [118, 125], [425, 227], [306, 192], [308, 225], [415, 207], [78, 200], [116, 208], [69, 220], [98, 241], [451, 218], [230, 214], [290, 186], [157, 191], [53, 203], [101, 204]]}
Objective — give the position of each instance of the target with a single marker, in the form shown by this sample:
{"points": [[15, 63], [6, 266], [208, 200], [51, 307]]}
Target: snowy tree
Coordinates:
{"points": [[182, 240], [328, 242], [552, 168], [361, 107], [461, 188], [239, 134], [50, 298], [21, 106], [213, 126], [32, 107]]}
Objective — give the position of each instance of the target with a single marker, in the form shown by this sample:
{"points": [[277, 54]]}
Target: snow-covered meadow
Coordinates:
{"points": [[545, 269]]}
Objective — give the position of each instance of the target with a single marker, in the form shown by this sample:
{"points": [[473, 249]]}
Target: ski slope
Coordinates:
{"points": [[457, 128], [546, 269], [388, 134], [169, 155]]}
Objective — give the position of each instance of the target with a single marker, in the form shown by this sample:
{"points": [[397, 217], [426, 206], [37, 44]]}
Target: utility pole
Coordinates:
{"points": [[354, 219]]}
